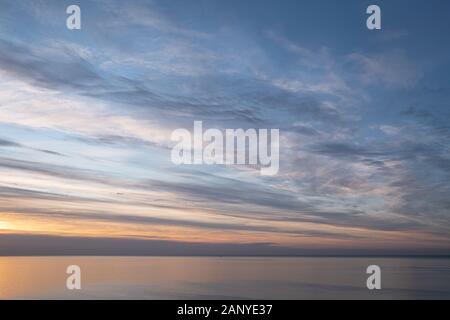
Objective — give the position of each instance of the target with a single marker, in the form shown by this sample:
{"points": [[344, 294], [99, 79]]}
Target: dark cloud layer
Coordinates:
{"points": [[20, 244]]}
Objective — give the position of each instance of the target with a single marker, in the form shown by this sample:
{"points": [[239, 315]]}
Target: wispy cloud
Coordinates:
{"points": [[86, 119]]}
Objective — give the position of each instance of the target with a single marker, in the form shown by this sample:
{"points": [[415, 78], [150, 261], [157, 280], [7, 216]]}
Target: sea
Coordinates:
{"points": [[224, 278]]}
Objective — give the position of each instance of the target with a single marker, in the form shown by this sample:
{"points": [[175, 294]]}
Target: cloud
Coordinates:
{"points": [[8, 143], [412, 171], [391, 69], [389, 130], [146, 15], [91, 115], [23, 244]]}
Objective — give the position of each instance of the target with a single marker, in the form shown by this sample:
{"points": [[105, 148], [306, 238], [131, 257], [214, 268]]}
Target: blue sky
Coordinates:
{"points": [[86, 117]]}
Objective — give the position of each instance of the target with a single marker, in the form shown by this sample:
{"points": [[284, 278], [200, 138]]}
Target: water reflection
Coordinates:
{"points": [[223, 278]]}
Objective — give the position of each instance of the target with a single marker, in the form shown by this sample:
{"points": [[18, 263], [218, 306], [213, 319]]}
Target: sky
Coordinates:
{"points": [[86, 118]]}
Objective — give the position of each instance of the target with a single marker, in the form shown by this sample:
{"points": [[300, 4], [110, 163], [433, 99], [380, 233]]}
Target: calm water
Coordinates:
{"points": [[223, 278]]}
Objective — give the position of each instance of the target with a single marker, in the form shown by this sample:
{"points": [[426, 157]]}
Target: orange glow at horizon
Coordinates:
{"points": [[99, 229]]}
